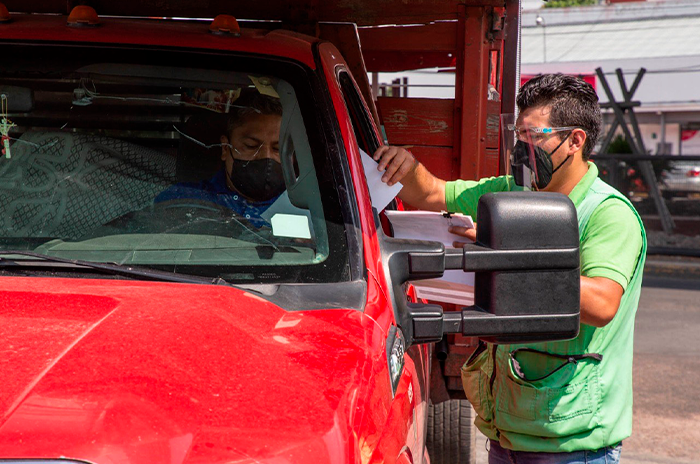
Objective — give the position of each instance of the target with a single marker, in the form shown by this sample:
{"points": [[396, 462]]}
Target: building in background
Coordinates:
{"points": [[661, 36]]}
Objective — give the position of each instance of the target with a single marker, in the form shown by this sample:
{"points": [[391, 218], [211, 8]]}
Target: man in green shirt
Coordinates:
{"points": [[566, 401]]}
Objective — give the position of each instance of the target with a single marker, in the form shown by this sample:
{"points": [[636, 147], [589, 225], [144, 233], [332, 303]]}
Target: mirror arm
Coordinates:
{"points": [[473, 321], [408, 260], [479, 258]]}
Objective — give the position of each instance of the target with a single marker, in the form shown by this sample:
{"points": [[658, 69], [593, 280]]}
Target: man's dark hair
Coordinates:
{"points": [[572, 100], [252, 102]]}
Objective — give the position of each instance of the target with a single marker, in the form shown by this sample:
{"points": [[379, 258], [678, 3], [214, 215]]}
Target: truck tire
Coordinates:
{"points": [[451, 435]]}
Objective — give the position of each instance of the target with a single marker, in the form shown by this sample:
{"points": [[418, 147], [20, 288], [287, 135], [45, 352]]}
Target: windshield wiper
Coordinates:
{"points": [[117, 269]]}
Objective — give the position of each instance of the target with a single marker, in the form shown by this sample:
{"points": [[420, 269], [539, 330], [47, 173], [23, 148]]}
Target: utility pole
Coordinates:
{"points": [[541, 23]]}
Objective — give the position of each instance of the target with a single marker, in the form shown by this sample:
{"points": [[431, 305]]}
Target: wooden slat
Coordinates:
{"points": [[387, 61], [361, 12], [490, 164], [471, 91], [426, 37], [400, 48], [438, 160], [417, 121]]}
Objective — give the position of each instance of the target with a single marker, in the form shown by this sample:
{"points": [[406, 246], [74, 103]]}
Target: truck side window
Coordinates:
{"points": [[361, 120], [362, 125]]}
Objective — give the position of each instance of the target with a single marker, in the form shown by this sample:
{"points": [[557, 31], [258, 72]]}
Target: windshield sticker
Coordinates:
{"points": [[284, 205], [264, 86], [290, 225]]}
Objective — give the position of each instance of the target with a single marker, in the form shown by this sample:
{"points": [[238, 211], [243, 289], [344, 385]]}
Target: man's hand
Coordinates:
{"points": [[468, 233], [420, 189], [396, 162]]}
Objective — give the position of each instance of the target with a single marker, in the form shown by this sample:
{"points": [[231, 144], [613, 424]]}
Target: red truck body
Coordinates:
{"points": [[123, 372]]}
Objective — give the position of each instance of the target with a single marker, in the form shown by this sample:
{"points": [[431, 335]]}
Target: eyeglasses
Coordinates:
{"points": [[539, 131], [248, 152]]}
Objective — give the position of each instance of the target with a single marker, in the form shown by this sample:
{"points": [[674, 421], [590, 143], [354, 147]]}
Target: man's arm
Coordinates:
{"points": [[600, 298], [610, 250], [421, 189]]}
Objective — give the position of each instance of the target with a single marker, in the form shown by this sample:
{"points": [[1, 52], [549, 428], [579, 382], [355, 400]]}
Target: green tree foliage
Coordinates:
{"points": [[569, 3], [619, 145]]}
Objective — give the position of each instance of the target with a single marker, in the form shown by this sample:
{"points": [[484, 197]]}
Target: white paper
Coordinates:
{"points": [[446, 292], [380, 193], [284, 205], [428, 225], [290, 225], [458, 277], [454, 286]]}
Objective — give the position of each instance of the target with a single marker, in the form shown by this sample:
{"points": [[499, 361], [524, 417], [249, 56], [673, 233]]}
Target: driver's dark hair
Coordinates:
{"points": [[572, 100], [252, 102]]}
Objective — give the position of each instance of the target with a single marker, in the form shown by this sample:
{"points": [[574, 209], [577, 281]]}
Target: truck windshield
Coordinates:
{"points": [[198, 163]]}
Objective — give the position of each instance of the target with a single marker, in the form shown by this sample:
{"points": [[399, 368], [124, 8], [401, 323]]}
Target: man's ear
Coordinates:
{"points": [[576, 141], [225, 148]]}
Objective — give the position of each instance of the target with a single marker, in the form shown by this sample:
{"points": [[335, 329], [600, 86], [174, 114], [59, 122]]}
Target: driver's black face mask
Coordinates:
{"points": [[544, 168], [259, 180]]}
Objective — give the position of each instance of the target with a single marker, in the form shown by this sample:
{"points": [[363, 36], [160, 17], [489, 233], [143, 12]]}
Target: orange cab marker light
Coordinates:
{"points": [[82, 15], [4, 14], [225, 25]]}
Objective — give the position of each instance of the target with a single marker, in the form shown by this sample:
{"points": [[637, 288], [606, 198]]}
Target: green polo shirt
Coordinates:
{"points": [[610, 242]]}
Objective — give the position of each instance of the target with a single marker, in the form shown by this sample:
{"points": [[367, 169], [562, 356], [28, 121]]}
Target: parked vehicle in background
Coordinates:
{"points": [[681, 178]]}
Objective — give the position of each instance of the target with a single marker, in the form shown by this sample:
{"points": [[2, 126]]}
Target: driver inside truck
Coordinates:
{"points": [[250, 178]]}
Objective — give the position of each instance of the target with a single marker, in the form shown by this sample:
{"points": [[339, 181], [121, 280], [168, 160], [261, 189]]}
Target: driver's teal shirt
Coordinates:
{"points": [[216, 191]]}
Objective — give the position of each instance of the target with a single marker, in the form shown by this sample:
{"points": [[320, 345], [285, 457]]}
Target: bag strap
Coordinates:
{"points": [[480, 347], [568, 358]]}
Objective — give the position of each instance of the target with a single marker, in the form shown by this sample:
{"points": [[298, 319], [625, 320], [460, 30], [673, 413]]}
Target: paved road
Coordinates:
{"points": [[666, 373]]}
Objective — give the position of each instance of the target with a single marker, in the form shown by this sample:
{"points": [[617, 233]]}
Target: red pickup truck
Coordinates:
{"points": [[135, 330]]}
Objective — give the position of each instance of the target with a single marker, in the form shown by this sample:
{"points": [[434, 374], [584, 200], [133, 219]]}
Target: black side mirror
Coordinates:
{"points": [[526, 264]]}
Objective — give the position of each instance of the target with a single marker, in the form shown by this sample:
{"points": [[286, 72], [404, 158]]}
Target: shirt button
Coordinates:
{"points": [[247, 216], [235, 197]]}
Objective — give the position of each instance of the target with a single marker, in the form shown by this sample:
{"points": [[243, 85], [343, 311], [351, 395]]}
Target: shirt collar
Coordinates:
{"points": [[577, 194]]}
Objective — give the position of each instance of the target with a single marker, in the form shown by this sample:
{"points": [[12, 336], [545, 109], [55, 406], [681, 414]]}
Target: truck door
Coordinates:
{"points": [[409, 405]]}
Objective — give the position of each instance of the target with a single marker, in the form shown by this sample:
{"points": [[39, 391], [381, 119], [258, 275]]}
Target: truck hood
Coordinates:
{"points": [[115, 371]]}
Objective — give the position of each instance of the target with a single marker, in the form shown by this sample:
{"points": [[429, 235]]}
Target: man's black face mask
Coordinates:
{"points": [[259, 180], [543, 168]]}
